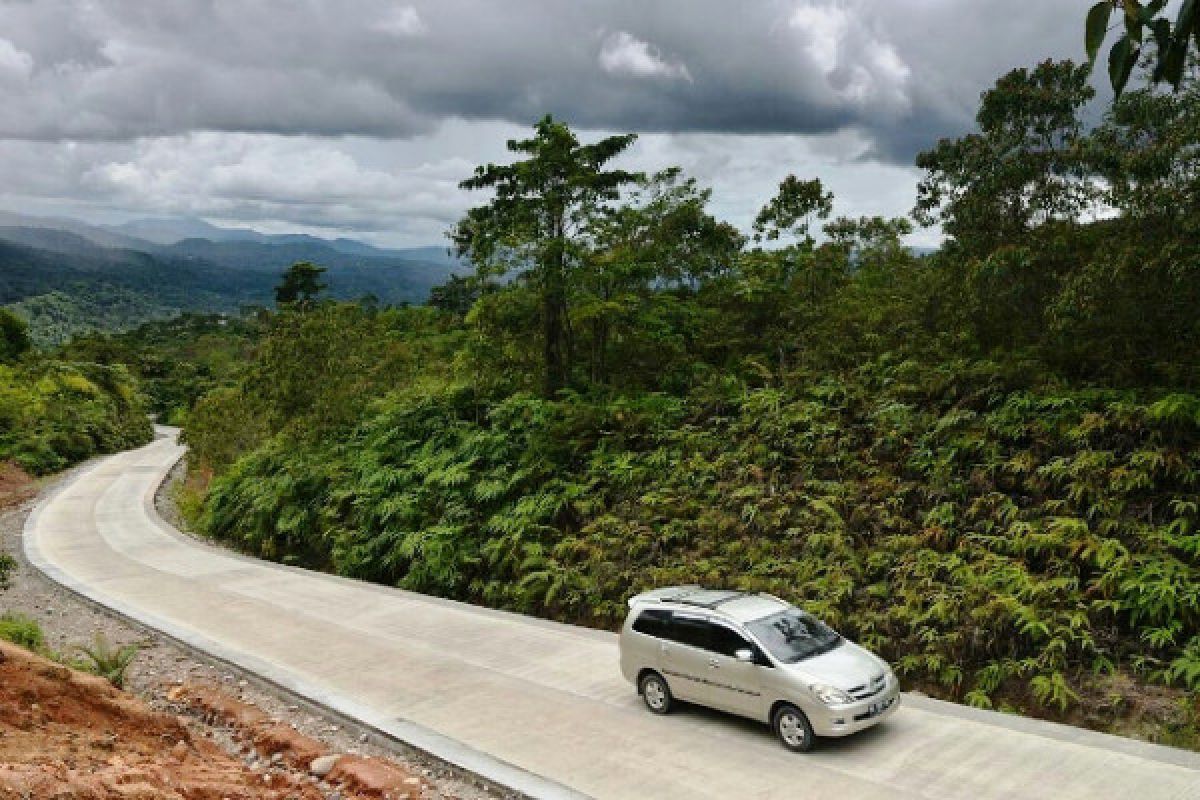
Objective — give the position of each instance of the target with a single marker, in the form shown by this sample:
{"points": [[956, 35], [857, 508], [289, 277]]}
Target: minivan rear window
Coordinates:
{"points": [[654, 622]]}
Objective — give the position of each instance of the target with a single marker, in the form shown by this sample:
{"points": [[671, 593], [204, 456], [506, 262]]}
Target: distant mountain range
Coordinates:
{"points": [[68, 276], [168, 231]]}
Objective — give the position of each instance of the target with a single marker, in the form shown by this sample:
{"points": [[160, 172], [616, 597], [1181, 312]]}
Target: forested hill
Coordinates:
{"points": [[984, 463], [65, 282], [79, 286], [393, 276]]}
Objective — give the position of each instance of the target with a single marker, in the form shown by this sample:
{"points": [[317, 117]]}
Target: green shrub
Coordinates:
{"points": [[54, 414], [7, 566], [22, 631], [107, 660]]}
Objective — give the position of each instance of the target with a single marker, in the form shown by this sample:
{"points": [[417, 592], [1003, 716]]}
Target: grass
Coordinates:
{"points": [[22, 631], [102, 657]]}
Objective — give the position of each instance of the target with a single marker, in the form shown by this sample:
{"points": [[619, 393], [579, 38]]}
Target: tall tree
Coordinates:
{"points": [[653, 249], [537, 223], [301, 285], [456, 295], [793, 209], [788, 218], [1148, 152], [14, 336], [1027, 165], [870, 246]]}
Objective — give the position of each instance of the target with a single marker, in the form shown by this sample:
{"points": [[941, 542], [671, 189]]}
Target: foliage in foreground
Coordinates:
{"points": [[55, 412]]}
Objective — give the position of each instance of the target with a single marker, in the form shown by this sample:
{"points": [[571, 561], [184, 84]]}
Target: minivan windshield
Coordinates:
{"points": [[792, 635]]}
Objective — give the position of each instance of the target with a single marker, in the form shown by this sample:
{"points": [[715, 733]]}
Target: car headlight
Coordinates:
{"points": [[831, 695]]}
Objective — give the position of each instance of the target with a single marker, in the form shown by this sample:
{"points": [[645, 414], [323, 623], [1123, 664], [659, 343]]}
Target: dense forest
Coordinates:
{"points": [[983, 463], [66, 283], [55, 412]]}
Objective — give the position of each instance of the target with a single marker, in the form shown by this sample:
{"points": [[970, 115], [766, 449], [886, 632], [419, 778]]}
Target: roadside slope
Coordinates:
{"points": [[535, 705]]}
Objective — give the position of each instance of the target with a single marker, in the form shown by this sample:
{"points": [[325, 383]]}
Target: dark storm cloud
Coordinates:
{"points": [[902, 73]]}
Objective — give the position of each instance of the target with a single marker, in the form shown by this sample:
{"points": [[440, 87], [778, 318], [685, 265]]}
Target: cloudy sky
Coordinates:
{"points": [[360, 116]]}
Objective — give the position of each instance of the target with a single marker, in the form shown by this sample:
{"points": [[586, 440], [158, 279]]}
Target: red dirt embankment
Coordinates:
{"points": [[72, 736], [16, 485]]}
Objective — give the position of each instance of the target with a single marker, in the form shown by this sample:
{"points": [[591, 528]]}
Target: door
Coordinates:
{"points": [[737, 684], [685, 656]]}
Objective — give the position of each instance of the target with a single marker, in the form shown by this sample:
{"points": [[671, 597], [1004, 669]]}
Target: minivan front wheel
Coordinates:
{"points": [[793, 729], [655, 693]]}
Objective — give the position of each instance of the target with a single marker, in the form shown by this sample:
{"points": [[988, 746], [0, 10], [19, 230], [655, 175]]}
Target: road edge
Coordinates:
{"points": [[451, 752], [409, 734]]}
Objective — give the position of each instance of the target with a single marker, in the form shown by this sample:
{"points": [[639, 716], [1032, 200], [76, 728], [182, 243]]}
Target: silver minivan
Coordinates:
{"points": [[753, 655]]}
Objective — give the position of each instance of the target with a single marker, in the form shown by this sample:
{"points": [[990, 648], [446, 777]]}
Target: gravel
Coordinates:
{"points": [[161, 663]]}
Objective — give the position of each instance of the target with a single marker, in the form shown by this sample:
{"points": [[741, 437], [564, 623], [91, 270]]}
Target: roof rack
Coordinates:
{"points": [[779, 600], [683, 591], [712, 599]]}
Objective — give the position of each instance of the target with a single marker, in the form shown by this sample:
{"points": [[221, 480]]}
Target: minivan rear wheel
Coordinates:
{"points": [[655, 693], [793, 729]]}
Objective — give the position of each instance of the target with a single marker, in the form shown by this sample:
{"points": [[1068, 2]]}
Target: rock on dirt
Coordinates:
{"points": [[281, 744], [66, 734], [71, 735], [321, 765]]}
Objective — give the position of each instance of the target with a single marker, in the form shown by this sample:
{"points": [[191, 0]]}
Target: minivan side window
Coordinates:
{"points": [[654, 622], [727, 641], [692, 631]]}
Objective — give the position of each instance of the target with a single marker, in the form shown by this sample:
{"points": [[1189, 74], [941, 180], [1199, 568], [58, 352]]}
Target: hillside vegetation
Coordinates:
{"points": [[174, 360], [983, 463], [65, 284], [56, 412]]}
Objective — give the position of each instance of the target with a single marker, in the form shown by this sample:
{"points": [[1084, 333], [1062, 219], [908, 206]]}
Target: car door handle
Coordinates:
{"points": [[712, 662]]}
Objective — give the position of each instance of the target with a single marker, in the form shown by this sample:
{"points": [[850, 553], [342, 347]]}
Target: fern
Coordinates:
{"points": [[1184, 670], [107, 660]]}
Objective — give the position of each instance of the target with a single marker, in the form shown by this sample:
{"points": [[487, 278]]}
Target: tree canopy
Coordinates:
{"points": [[301, 285], [14, 336], [537, 223]]}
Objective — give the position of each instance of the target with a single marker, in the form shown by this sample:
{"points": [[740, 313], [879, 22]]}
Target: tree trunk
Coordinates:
{"points": [[554, 301], [600, 341]]}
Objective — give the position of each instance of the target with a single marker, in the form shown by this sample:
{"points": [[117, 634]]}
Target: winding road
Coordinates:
{"points": [[534, 705]]}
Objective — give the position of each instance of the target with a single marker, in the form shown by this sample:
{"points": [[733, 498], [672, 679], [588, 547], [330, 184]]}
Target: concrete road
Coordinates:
{"points": [[536, 705]]}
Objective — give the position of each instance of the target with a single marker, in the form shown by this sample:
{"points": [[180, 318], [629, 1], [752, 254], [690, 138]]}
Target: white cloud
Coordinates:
{"points": [[823, 27], [276, 113], [860, 65], [274, 182], [15, 65], [744, 172], [402, 21], [624, 54], [402, 193]]}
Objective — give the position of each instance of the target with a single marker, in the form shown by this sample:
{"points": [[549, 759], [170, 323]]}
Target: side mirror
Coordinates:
{"points": [[745, 655]]}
